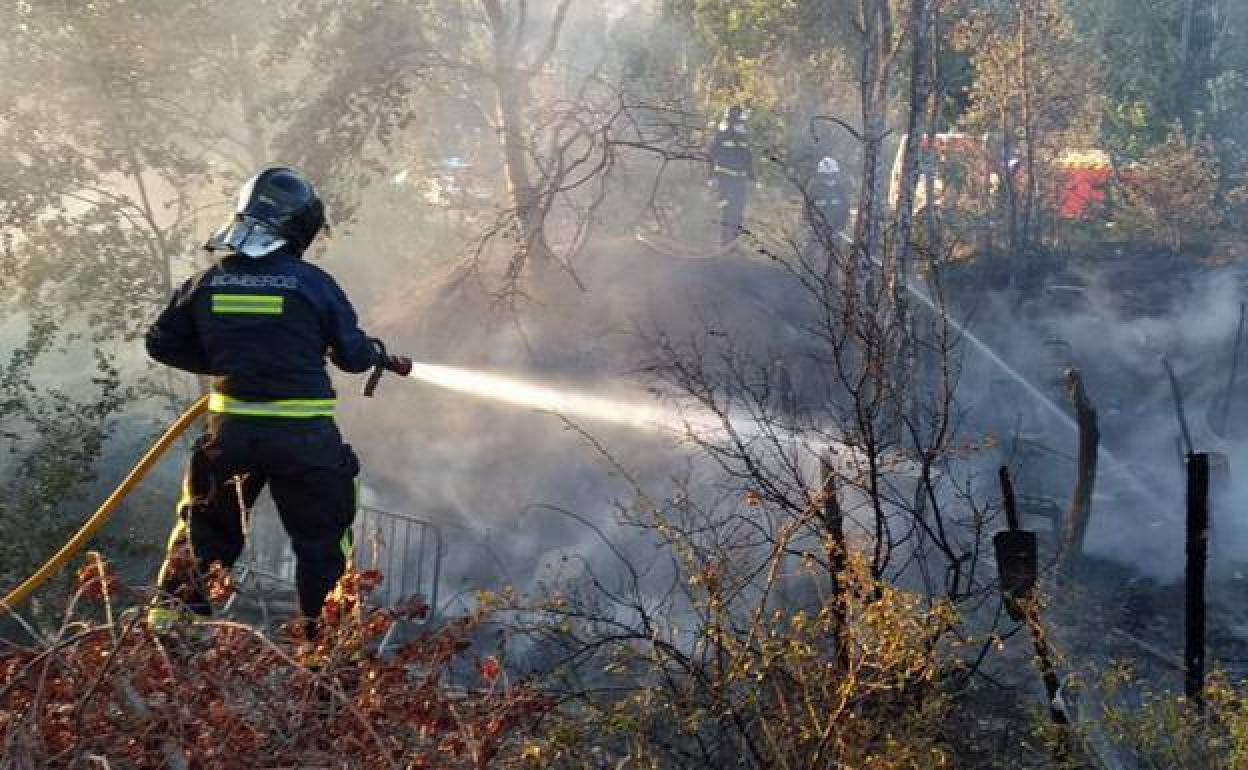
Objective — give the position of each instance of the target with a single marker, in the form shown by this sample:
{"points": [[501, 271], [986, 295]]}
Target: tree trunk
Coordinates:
{"points": [[512, 77], [511, 90], [1029, 128], [877, 31], [918, 23], [838, 553], [1182, 69], [1013, 242], [920, 90], [935, 96]]}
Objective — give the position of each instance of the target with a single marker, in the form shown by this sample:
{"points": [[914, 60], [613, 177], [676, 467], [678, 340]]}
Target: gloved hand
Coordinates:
{"points": [[400, 365]]}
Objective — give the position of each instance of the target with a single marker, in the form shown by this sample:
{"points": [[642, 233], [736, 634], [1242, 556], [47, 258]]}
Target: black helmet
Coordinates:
{"points": [[275, 207]]}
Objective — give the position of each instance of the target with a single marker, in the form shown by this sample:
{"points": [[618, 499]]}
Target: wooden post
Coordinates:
{"points": [[1012, 519], [1180, 413], [1076, 525], [1018, 588], [1197, 551]]}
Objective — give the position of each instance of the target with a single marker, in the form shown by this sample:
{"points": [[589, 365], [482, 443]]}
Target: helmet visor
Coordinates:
{"points": [[248, 236]]}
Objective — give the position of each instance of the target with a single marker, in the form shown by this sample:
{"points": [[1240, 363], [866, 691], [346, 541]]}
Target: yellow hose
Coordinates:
{"points": [[105, 511]]}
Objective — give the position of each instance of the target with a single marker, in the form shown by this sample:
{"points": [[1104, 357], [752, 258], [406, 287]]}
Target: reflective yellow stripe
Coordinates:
{"points": [[292, 407], [248, 299], [347, 543], [247, 304]]}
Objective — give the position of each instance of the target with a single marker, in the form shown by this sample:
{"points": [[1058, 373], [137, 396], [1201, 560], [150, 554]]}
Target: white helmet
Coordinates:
{"points": [[829, 166]]}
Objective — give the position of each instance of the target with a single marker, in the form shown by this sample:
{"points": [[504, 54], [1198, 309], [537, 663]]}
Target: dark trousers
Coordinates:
{"points": [[732, 192], [834, 218], [311, 474]]}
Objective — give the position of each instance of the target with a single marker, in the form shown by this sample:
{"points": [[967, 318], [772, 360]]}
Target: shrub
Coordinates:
{"points": [[109, 692], [1172, 193], [854, 680], [1162, 729]]}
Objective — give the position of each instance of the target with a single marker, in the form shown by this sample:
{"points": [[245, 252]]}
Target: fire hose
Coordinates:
{"points": [[106, 510], [670, 247]]}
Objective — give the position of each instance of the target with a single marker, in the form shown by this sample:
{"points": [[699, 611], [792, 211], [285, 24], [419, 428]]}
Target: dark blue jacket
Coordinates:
{"points": [[730, 153], [262, 328], [830, 198]]}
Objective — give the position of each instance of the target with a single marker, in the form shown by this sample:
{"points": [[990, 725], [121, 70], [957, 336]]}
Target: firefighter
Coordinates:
{"points": [[828, 197], [732, 169], [261, 321]]}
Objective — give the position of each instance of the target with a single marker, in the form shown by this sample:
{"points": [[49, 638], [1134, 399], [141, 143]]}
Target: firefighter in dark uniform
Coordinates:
{"points": [[732, 170], [261, 322], [828, 197]]}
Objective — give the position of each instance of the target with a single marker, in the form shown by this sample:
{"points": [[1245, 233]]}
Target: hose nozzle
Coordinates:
{"points": [[374, 377]]}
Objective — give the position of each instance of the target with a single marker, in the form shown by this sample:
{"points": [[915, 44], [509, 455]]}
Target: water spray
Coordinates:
{"points": [[996, 360], [546, 398], [1111, 461], [698, 424], [559, 401]]}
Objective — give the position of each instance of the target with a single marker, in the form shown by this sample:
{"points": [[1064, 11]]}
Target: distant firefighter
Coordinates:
{"points": [[829, 196], [732, 169]]}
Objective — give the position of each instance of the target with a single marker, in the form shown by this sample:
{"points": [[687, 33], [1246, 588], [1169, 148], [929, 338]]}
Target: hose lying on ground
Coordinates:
{"points": [[671, 247], [105, 511]]}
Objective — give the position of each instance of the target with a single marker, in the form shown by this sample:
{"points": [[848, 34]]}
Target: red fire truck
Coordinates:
{"points": [[962, 176]]}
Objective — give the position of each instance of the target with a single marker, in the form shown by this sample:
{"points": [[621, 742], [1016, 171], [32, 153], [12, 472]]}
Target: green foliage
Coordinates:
{"points": [[753, 29], [788, 61], [99, 198], [52, 439], [1032, 78], [1164, 67], [1161, 729], [1137, 67], [104, 178], [853, 678]]}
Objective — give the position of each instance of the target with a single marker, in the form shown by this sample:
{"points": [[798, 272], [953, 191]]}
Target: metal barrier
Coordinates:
{"points": [[407, 550]]}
